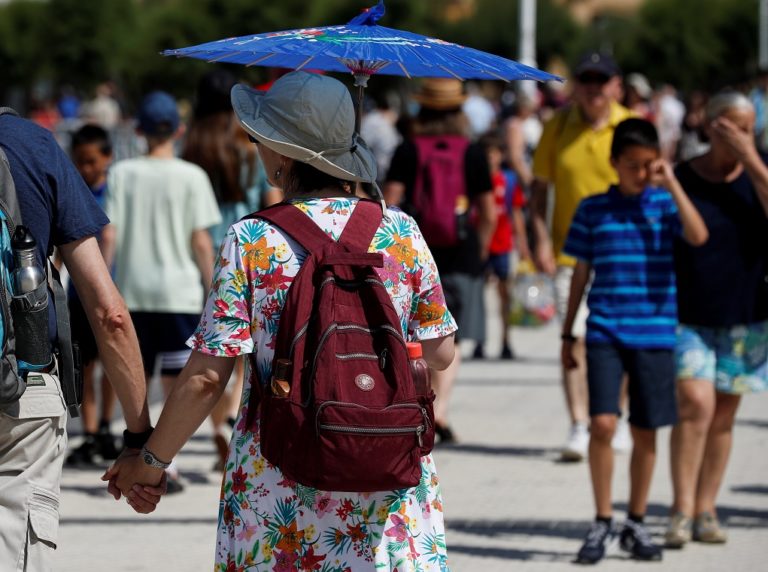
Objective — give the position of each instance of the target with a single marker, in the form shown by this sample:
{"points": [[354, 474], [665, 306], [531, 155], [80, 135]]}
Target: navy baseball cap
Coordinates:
{"points": [[597, 63], [158, 114]]}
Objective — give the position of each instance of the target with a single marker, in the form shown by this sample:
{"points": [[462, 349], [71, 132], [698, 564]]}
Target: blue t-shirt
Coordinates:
{"points": [[56, 204], [629, 242]]}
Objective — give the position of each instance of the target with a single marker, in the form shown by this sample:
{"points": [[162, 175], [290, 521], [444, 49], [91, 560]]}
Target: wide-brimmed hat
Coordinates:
{"points": [[440, 93], [309, 118]]}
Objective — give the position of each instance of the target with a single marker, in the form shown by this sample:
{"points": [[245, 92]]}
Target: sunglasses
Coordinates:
{"points": [[593, 79]]}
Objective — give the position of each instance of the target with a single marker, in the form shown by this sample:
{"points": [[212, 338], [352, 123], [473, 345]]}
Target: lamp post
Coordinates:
{"points": [[527, 45]]}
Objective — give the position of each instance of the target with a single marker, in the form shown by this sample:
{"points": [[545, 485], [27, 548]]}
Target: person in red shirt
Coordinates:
{"points": [[509, 233]]}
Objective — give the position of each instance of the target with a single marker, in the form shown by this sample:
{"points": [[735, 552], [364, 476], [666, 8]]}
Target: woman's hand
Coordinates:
{"points": [[742, 143], [141, 484]]}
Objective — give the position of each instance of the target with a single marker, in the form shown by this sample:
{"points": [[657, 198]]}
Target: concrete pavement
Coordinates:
{"points": [[510, 504]]}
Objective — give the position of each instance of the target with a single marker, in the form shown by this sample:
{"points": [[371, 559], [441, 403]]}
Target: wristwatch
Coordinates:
{"points": [[150, 459]]}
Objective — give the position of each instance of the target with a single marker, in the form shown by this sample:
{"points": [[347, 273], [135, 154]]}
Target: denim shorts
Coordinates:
{"points": [[652, 401], [735, 359]]}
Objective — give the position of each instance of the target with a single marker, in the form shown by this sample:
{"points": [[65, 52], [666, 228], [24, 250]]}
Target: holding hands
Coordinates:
{"points": [[141, 485]]}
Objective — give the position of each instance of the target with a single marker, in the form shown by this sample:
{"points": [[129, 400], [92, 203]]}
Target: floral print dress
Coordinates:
{"points": [[267, 522]]}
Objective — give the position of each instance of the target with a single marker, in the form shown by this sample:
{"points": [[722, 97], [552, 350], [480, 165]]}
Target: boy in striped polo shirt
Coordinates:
{"points": [[625, 236]]}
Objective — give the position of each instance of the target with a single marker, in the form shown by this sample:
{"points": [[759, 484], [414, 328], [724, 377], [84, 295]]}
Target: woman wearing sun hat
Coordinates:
{"points": [[440, 121], [304, 129]]}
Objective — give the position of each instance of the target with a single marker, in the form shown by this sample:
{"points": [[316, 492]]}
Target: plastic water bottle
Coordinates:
{"points": [[419, 369], [30, 303]]}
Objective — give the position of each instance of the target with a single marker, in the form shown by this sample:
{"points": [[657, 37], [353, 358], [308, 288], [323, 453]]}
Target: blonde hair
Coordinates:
{"points": [[725, 101]]}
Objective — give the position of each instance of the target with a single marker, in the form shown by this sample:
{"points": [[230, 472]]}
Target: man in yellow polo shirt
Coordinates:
{"points": [[573, 155]]}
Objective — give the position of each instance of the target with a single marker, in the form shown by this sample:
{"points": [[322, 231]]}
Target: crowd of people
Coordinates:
{"points": [[648, 212]]}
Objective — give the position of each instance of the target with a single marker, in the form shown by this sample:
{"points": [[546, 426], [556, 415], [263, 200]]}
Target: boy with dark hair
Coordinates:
{"points": [[92, 155], [625, 236]]}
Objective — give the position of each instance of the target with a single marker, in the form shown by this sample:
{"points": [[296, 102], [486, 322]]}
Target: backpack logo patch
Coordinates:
{"points": [[365, 382]]}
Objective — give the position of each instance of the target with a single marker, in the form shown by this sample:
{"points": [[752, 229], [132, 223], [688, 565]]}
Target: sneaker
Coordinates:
{"points": [[507, 353], [105, 445], [622, 438], [445, 434], [706, 528], [678, 531], [577, 444], [173, 485], [83, 455], [636, 540], [593, 549], [478, 353]]}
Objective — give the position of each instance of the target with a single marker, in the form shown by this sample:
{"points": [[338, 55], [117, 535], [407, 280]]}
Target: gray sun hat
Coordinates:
{"points": [[309, 118]]}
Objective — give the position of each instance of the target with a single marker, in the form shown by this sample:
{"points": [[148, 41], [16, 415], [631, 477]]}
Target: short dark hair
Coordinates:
{"points": [[92, 135], [634, 132], [490, 141]]}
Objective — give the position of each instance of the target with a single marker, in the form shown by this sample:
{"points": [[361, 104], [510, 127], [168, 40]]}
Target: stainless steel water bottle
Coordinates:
{"points": [[30, 303]]}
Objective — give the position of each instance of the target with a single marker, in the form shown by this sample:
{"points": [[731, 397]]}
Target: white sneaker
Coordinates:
{"points": [[577, 444], [622, 438]]}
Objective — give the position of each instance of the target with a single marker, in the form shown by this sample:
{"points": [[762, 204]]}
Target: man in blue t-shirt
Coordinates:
{"points": [[626, 236], [59, 211]]}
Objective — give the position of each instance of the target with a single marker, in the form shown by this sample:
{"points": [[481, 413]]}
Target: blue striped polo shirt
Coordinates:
{"points": [[629, 240]]}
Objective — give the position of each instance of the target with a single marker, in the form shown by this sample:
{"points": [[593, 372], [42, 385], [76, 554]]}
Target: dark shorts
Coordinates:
{"points": [[652, 401], [464, 299], [163, 337], [499, 265], [82, 334]]}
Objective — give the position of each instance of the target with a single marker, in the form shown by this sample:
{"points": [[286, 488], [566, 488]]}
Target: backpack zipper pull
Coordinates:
{"points": [[383, 359], [419, 431]]}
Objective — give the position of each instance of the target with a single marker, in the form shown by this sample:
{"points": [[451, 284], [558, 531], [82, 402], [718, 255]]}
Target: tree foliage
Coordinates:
{"points": [[690, 43]]}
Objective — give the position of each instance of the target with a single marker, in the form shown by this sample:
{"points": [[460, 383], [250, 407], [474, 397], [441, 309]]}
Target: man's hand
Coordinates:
{"points": [[141, 484]]}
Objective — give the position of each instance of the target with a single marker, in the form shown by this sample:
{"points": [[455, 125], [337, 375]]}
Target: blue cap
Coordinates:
{"points": [[158, 114]]}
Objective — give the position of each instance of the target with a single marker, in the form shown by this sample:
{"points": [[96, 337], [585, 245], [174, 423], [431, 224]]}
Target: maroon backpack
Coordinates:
{"points": [[439, 196], [351, 420]]}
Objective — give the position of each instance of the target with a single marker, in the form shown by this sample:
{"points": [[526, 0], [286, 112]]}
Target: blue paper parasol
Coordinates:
{"points": [[363, 48]]}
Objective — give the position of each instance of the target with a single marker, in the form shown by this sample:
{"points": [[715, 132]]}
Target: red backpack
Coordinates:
{"points": [[351, 419], [440, 191]]}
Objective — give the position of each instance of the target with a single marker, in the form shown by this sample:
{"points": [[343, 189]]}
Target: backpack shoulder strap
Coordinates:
{"points": [[362, 226], [296, 224]]}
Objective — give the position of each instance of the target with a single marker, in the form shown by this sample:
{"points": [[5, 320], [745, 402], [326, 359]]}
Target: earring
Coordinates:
{"points": [[278, 172]]}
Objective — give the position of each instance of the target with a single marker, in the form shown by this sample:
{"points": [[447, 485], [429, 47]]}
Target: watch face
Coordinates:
{"points": [[148, 459]]}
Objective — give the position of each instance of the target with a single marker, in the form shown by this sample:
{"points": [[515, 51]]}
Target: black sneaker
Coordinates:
{"points": [[636, 540], [478, 353], [83, 455], [105, 445], [507, 353], [593, 549]]}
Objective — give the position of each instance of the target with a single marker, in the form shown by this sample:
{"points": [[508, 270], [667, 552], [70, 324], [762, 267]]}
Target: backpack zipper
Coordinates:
{"points": [[419, 430]]}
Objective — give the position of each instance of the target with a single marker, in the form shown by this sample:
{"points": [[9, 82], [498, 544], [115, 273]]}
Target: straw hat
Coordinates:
{"points": [[440, 93], [309, 118]]}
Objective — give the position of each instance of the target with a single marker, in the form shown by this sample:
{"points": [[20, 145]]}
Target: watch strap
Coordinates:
{"points": [[136, 440]]}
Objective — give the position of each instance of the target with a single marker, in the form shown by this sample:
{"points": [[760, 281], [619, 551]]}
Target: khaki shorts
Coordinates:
{"points": [[33, 442], [562, 290]]}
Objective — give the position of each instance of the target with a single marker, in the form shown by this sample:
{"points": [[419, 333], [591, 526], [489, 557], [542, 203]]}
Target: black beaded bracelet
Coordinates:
{"points": [[568, 337], [136, 440]]}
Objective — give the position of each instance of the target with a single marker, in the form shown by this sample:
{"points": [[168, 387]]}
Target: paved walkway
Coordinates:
{"points": [[510, 505]]}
